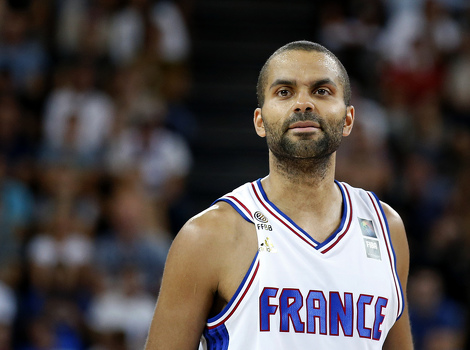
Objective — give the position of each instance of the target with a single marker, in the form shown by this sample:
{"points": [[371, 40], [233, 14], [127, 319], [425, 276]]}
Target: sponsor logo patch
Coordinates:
{"points": [[372, 248], [267, 246], [371, 243], [260, 217], [367, 228]]}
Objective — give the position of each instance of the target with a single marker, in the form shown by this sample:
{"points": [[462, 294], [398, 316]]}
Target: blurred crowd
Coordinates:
{"points": [[94, 156], [95, 151], [410, 66]]}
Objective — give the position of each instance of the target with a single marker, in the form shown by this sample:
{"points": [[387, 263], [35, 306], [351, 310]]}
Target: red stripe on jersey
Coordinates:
{"points": [[280, 220], [389, 254], [241, 204], [347, 227], [239, 300]]}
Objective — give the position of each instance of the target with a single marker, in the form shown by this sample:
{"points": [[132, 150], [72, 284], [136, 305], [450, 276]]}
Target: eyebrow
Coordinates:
{"points": [[283, 82], [316, 84], [321, 82]]}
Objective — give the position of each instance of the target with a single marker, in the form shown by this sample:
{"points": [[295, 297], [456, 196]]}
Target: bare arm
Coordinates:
{"points": [[188, 286], [206, 263], [399, 336]]}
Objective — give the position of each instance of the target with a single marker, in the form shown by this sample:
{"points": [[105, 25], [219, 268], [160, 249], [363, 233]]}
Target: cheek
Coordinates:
{"points": [[271, 120], [274, 129]]}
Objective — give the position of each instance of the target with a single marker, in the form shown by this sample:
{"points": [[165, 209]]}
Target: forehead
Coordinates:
{"points": [[303, 66]]}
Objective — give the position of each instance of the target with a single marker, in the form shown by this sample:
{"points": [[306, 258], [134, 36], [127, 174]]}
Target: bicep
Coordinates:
{"points": [[185, 296], [399, 336]]}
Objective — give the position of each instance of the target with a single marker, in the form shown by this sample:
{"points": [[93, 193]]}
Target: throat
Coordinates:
{"points": [[302, 170]]}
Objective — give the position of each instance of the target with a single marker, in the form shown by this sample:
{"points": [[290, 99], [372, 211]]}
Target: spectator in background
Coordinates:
{"points": [[16, 208], [63, 249], [146, 25], [352, 31], [67, 187], [365, 159], [8, 311], [413, 47], [77, 118], [443, 339], [16, 142], [82, 27], [174, 88], [151, 131], [174, 42], [122, 30], [457, 83], [432, 315], [133, 94], [21, 55], [59, 260], [134, 238], [160, 158], [123, 307]]}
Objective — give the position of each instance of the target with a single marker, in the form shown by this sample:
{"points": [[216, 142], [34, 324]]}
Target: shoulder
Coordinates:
{"points": [[398, 237], [395, 223], [220, 221], [207, 236], [208, 254]]}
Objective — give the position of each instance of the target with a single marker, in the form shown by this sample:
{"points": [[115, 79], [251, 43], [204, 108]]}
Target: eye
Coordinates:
{"points": [[322, 92], [283, 93]]}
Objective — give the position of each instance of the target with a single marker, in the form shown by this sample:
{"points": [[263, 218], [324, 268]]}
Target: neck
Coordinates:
{"points": [[301, 184], [309, 171]]}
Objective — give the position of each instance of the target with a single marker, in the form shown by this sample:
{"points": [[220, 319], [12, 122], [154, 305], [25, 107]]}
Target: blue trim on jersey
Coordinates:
{"points": [[239, 289], [393, 252], [234, 207], [217, 338], [318, 244]]}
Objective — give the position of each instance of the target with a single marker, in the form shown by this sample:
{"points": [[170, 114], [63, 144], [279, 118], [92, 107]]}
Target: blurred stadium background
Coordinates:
{"points": [[120, 119]]}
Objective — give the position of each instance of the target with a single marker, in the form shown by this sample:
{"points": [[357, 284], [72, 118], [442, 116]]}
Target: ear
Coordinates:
{"points": [[259, 123], [349, 121]]}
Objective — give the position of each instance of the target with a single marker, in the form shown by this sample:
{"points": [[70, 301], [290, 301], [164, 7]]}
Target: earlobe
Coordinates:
{"points": [[349, 120], [259, 123]]}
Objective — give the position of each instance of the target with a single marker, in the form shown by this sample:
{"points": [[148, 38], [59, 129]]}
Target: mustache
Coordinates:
{"points": [[303, 117]]}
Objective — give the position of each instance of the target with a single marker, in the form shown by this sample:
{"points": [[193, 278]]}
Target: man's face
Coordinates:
{"points": [[304, 115]]}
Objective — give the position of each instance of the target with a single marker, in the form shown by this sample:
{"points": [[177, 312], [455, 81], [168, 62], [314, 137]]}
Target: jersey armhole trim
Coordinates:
{"points": [[237, 298], [238, 206], [389, 239]]}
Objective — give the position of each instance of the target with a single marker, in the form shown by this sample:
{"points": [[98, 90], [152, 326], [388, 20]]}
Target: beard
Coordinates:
{"points": [[285, 146]]}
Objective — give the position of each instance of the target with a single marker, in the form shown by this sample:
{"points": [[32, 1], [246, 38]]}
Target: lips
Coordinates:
{"points": [[305, 125]]}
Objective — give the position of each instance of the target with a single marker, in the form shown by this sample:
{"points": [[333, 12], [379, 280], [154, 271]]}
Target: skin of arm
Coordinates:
{"points": [[399, 336], [205, 264]]}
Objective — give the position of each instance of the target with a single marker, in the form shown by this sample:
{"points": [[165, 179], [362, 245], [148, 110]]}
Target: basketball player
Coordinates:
{"points": [[295, 260]]}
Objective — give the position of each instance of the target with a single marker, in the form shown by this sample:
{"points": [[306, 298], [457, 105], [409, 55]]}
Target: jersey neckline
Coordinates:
{"points": [[326, 245]]}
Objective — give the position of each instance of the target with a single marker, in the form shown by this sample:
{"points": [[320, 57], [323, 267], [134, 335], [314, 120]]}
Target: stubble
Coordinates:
{"points": [[302, 156]]}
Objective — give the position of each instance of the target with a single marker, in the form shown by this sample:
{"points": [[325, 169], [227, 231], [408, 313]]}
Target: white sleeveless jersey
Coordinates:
{"points": [[343, 293]]}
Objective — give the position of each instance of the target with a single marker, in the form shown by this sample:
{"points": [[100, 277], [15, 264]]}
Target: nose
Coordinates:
{"points": [[304, 103]]}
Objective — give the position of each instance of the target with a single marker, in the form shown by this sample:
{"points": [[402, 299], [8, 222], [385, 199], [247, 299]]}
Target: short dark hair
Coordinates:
{"points": [[303, 45]]}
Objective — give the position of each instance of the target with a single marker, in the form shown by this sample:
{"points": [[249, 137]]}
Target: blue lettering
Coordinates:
{"points": [[266, 308], [290, 303], [323, 315], [364, 300], [314, 312], [379, 317], [341, 313]]}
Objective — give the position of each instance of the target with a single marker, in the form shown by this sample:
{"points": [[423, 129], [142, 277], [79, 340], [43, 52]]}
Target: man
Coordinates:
{"points": [[295, 260]]}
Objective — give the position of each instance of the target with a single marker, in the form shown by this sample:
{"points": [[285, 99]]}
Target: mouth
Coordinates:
{"points": [[305, 126]]}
